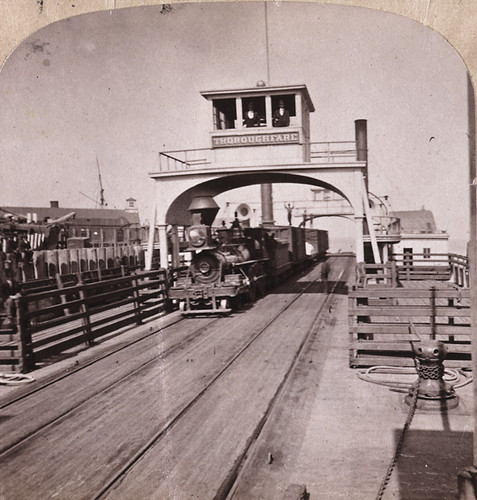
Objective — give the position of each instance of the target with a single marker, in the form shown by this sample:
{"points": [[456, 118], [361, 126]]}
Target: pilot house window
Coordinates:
{"points": [[288, 103], [225, 114], [253, 111]]}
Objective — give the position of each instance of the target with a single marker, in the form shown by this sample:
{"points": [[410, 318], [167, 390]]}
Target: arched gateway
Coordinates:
{"points": [[261, 136]]}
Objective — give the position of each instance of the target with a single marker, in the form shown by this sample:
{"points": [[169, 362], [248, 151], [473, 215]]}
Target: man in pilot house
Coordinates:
{"points": [[252, 118], [281, 117]]}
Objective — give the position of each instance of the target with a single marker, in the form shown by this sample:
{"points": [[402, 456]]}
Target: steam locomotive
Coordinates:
{"points": [[236, 264]]}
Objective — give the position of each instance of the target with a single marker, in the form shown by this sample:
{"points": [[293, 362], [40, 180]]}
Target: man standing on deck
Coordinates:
{"points": [[325, 271]]}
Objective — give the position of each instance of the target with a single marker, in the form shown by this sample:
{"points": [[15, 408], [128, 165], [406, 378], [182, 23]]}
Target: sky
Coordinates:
{"points": [[115, 88]]}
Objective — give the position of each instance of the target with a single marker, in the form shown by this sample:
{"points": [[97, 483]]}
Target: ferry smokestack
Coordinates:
{"points": [[361, 140], [267, 204], [361, 133]]}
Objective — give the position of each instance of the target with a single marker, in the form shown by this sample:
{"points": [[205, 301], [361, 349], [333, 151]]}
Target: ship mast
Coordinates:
{"points": [[102, 202]]}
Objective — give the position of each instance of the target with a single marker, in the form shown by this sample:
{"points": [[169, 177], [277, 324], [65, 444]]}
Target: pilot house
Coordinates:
{"points": [[262, 116]]}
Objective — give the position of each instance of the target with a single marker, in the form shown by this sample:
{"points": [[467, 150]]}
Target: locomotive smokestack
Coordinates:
{"points": [[206, 207], [267, 204]]}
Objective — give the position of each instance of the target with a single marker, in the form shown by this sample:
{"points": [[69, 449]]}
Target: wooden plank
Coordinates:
{"points": [[447, 339], [409, 293], [12, 353], [401, 311], [364, 360], [403, 328], [113, 318], [364, 345], [53, 338], [55, 322]]}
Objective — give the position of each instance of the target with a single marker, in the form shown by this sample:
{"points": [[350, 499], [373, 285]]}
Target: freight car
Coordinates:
{"points": [[229, 265]]}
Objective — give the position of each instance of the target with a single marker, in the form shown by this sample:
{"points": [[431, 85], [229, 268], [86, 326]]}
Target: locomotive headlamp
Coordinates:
{"points": [[197, 236]]}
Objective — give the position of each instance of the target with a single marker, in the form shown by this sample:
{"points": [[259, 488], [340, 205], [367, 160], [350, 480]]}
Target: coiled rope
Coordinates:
{"points": [[15, 379], [456, 377]]}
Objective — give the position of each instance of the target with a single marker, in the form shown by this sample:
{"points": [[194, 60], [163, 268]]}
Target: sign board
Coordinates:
{"points": [[267, 139]]}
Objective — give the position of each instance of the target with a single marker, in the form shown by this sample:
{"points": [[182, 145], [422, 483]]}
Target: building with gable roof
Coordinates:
{"points": [[419, 234], [98, 227]]}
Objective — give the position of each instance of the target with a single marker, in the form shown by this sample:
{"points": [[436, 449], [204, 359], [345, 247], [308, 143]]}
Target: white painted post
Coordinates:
{"points": [[150, 242], [238, 109], [359, 238], [163, 250], [268, 110]]}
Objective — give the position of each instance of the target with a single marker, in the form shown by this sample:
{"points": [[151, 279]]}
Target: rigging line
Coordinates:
{"points": [[266, 42]]}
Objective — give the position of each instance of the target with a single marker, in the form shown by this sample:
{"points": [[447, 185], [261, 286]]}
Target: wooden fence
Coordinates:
{"points": [[383, 275], [415, 267], [380, 318], [52, 321], [420, 266], [68, 280]]}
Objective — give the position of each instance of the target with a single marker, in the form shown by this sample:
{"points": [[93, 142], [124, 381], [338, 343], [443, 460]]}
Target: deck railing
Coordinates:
{"points": [[50, 322], [197, 159], [415, 267], [185, 159], [332, 151], [436, 266], [386, 225]]}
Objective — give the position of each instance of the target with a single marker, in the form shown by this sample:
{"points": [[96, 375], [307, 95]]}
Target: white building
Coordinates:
{"points": [[420, 239]]}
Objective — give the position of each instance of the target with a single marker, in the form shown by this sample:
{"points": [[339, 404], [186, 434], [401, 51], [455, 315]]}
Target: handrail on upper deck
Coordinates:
{"points": [[326, 151], [189, 159]]}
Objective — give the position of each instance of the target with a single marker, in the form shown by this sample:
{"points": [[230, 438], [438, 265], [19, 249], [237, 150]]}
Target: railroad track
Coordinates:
{"points": [[233, 487], [249, 454], [240, 463], [195, 334], [196, 339]]}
